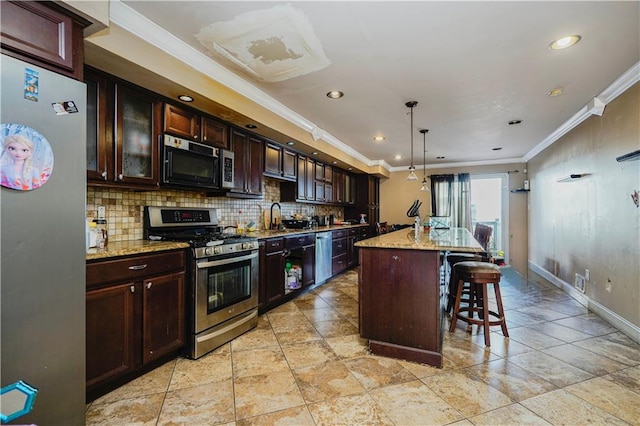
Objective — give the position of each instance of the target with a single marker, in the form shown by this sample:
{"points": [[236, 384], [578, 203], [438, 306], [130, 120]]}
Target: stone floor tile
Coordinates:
{"points": [[204, 404], [413, 403], [563, 408]]}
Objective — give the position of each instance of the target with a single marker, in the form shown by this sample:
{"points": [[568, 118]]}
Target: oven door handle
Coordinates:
{"points": [[203, 265]]}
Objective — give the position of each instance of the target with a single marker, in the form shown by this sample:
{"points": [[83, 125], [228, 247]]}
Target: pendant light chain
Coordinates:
{"points": [[412, 174], [424, 132]]}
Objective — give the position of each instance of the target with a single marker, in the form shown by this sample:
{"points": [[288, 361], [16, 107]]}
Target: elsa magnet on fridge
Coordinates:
{"points": [[26, 157]]}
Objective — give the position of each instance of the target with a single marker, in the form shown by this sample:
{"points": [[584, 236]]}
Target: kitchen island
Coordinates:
{"points": [[401, 299]]}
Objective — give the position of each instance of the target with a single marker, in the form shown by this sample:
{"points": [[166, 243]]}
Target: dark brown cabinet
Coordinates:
{"points": [[344, 187], [44, 34], [279, 162], [181, 122], [352, 255], [300, 250], [111, 333], [323, 182], [303, 189], [190, 124], [249, 165], [135, 314], [400, 306], [123, 124], [338, 251], [367, 199], [272, 264]]}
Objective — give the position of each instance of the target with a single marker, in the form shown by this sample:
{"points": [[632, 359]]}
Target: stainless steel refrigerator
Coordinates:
{"points": [[42, 240]]}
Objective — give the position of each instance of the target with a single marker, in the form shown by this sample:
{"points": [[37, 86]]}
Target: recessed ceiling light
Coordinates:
{"points": [[350, 168], [497, 148], [291, 143], [335, 94], [398, 157], [439, 158], [564, 42], [556, 92], [379, 138], [512, 122], [315, 152], [250, 126], [185, 98], [334, 162]]}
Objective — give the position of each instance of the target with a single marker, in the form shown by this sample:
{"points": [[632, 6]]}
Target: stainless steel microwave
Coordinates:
{"points": [[189, 164]]}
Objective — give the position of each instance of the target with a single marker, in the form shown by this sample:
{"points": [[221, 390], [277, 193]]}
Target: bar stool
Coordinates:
{"points": [[479, 275], [452, 259]]}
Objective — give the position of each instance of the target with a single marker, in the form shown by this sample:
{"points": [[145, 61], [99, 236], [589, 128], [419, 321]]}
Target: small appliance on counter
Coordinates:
{"points": [[296, 223], [321, 220]]}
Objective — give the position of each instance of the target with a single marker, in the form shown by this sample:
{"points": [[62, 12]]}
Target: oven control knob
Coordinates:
{"points": [[217, 250], [208, 251]]}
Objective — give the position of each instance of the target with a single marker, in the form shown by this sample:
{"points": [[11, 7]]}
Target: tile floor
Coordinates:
{"points": [[305, 365]]}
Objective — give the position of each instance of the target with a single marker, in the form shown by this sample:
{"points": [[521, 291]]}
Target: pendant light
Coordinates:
{"points": [[425, 185], [412, 169]]}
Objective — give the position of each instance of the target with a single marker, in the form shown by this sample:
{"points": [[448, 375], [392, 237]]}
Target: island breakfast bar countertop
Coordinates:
{"points": [[452, 239]]}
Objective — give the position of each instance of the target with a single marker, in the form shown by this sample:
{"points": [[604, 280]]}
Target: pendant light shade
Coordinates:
{"points": [[425, 185], [412, 169]]}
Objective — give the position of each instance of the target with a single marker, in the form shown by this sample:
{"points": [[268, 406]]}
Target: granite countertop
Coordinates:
{"points": [[129, 248], [453, 239], [286, 232]]}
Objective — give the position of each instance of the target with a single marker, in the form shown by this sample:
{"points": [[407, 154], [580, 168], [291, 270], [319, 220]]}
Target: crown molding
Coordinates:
{"points": [[460, 164], [594, 106], [138, 25]]}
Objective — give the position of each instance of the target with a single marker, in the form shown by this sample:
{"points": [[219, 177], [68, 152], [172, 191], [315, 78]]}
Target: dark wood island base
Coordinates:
{"points": [[401, 301]]}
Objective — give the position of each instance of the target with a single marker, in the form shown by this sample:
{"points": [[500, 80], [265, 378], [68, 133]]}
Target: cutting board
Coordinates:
{"points": [[267, 218]]}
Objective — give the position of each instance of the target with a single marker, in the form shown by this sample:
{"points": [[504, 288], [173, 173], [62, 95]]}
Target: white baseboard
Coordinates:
{"points": [[626, 327]]}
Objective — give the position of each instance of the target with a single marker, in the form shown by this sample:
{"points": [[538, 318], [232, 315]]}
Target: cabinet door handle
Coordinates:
{"points": [[149, 284], [104, 175], [138, 267], [120, 176], [133, 289]]}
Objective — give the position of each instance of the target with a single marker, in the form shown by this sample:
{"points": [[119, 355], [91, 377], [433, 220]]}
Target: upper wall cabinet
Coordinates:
{"points": [[123, 124], [249, 165], [189, 124], [44, 34], [279, 162]]}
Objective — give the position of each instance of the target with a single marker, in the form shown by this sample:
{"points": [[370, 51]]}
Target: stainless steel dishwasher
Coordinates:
{"points": [[323, 256]]}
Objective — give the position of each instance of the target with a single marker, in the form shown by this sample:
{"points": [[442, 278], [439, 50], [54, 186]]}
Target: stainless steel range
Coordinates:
{"points": [[223, 274]]}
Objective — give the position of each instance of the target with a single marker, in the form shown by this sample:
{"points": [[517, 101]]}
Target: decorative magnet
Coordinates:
{"points": [[26, 157], [31, 80], [16, 400]]}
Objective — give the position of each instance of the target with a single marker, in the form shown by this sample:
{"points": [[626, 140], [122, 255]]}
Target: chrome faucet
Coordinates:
{"points": [[273, 224]]}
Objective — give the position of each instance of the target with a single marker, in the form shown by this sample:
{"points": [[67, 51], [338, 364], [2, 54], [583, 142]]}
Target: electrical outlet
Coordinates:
{"points": [[587, 275], [578, 282]]}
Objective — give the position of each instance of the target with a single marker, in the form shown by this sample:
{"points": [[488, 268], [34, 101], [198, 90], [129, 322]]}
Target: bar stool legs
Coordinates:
{"points": [[479, 275]]}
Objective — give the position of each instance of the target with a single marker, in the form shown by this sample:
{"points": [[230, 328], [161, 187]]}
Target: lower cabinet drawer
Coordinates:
{"points": [[338, 264], [132, 268], [339, 247]]}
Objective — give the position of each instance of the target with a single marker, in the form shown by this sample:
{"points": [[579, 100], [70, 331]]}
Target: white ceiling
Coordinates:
{"points": [[472, 67]]}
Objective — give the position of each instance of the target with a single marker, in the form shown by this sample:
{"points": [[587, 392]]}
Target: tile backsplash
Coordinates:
{"points": [[124, 207]]}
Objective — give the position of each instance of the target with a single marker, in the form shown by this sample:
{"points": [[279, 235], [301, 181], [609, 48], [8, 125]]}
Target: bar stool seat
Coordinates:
{"points": [[479, 275]]}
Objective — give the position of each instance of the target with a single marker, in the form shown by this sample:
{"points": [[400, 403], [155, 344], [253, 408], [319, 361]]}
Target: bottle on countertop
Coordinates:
{"points": [[240, 223], [101, 224], [92, 233]]}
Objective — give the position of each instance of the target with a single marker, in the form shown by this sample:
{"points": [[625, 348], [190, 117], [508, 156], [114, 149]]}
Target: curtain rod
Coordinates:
{"points": [[476, 174]]}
